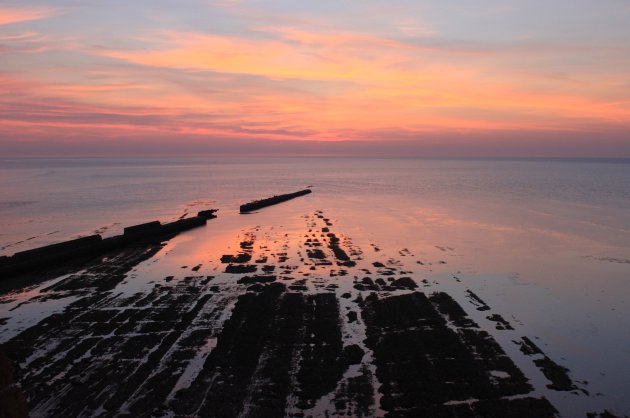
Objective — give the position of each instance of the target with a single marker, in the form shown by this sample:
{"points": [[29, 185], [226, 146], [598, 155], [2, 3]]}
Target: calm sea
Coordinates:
{"points": [[545, 242], [43, 201]]}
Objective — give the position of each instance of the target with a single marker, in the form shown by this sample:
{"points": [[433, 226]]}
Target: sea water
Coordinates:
{"points": [[546, 243]]}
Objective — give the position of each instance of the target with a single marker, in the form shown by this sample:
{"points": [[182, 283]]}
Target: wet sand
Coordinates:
{"points": [[272, 322]]}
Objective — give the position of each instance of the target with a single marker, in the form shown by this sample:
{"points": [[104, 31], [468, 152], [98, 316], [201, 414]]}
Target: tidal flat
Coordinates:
{"points": [[270, 320]]}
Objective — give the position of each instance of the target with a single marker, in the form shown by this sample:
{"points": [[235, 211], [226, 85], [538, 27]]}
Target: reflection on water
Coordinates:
{"points": [[539, 242], [38, 197]]}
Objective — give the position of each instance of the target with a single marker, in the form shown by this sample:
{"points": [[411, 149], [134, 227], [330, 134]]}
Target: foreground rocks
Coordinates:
{"points": [[329, 333], [12, 399]]}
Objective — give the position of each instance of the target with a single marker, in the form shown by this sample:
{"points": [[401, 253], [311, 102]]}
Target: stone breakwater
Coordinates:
{"points": [[94, 245], [259, 204]]}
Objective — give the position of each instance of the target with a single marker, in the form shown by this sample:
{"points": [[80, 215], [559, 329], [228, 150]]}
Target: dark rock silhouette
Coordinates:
{"points": [[259, 204], [94, 245], [208, 214], [12, 400]]}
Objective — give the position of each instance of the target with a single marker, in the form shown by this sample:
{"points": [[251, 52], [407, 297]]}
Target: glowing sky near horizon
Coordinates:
{"points": [[524, 74]]}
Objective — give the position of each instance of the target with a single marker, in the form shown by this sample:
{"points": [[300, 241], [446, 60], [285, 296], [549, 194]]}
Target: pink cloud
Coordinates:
{"points": [[10, 15]]}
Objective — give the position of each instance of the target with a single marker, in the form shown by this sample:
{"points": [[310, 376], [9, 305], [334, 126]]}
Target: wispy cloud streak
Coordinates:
{"points": [[10, 15], [230, 70]]}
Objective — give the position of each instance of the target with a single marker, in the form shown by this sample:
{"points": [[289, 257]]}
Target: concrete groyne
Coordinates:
{"points": [[259, 204], [94, 245], [145, 229], [208, 213]]}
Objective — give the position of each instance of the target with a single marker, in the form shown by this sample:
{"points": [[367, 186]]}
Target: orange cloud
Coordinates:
{"points": [[384, 83], [304, 85], [289, 54]]}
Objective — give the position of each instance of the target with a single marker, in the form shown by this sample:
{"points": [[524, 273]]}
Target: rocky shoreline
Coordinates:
{"points": [[299, 325]]}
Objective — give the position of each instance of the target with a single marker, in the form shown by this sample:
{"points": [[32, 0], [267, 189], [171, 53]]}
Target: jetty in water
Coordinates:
{"points": [[95, 245], [259, 204]]}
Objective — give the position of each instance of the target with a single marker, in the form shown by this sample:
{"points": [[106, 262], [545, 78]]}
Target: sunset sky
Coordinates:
{"points": [[435, 78]]}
